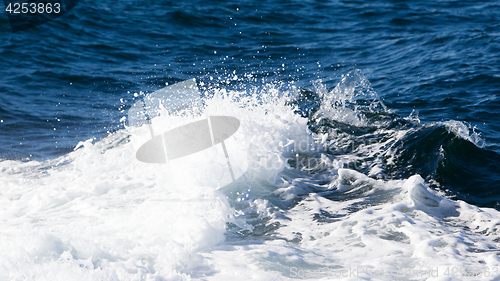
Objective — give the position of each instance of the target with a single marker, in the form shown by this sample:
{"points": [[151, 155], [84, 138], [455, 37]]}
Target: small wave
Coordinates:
{"points": [[350, 100], [464, 130]]}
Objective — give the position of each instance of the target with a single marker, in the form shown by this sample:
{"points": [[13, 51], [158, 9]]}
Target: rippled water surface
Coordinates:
{"points": [[400, 101]]}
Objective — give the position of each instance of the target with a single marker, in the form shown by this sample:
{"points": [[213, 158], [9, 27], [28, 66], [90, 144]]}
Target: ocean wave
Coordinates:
{"points": [[371, 191]]}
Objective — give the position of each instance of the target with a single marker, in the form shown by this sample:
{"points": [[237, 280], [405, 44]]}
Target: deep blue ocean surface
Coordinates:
{"points": [[74, 78]]}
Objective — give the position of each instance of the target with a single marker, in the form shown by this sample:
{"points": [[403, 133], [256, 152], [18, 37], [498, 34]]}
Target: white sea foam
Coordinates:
{"points": [[415, 235], [99, 214]]}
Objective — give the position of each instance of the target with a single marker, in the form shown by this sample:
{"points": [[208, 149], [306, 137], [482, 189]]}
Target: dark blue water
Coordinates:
{"points": [[73, 78]]}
